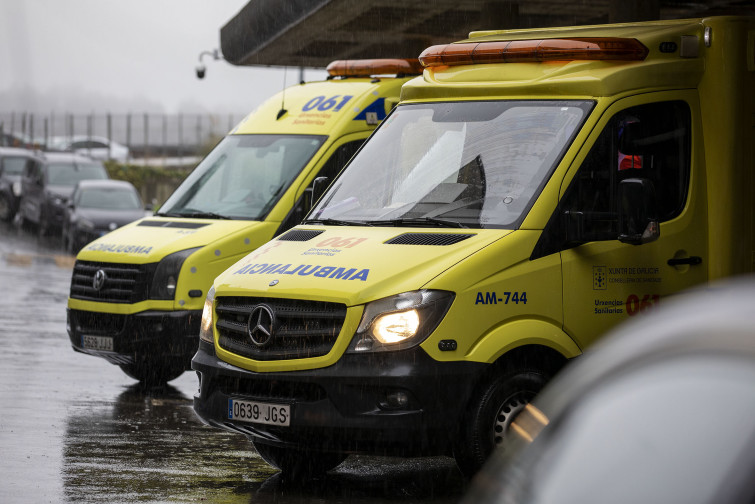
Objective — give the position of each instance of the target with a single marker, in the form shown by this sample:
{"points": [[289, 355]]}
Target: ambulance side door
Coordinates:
{"points": [[643, 142]]}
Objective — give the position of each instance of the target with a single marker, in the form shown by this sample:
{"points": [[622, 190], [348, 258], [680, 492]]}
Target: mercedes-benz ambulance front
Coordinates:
{"points": [[137, 293], [533, 189]]}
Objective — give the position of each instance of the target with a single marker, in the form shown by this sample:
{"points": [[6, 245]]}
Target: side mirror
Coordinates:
{"points": [[638, 216], [318, 188]]}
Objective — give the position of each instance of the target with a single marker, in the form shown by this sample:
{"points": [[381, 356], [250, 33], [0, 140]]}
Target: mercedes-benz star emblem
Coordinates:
{"points": [[261, 325], [99, 280]]}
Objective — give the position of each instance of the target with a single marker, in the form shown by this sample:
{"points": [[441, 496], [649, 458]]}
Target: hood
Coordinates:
{"points": [[351, 265], [60, 190], [152, 238], [102, 218]]}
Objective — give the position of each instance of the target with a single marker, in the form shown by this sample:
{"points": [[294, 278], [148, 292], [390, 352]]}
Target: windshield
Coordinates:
{"points": [[112, 199], [67, 174], [14, 165], [243, 177], [467, 164]]}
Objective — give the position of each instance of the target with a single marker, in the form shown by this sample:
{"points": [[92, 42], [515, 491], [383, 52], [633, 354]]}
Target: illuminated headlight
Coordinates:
{"points": [[166, 275], [401, 321], [17, 188], [205, 327]]}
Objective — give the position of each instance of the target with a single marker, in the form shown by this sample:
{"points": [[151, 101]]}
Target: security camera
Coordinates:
{"points": [[201, 71]]}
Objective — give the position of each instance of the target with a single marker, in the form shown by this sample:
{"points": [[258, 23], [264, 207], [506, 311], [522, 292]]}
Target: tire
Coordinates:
{"points": [[42, 227], [152, 373], [490, 412], [297, 465], [6, 211], [69, 243]]}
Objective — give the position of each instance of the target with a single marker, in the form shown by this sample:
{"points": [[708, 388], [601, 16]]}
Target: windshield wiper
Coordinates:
{"points": [[195, 214], [418, 221], [336, 222]]}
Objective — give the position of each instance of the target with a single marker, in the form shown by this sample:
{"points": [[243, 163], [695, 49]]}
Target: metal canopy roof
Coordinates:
{"points": [[312, 33]]}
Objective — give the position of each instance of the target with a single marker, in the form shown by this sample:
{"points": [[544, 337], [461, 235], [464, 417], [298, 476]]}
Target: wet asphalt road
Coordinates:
{"points": [[74, 428]]}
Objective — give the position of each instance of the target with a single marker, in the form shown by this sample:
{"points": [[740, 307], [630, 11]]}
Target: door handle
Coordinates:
{"points": [[691, 260]]}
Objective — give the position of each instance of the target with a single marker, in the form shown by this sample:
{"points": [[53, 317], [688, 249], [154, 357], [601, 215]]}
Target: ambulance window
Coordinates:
{"points": [[464, 164], [243, 177], [649, 141], [340, 157]]}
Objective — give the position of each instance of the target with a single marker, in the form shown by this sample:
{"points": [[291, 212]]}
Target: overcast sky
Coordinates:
{"points": [[85, 56]]}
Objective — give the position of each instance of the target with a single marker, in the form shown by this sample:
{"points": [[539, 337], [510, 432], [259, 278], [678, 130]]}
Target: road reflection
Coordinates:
{"points": [[75, 429], [148, 446]]}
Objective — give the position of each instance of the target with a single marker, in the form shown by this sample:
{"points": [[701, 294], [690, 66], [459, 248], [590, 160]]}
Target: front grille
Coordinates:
{"points": [[303, 328], [95, 323], [271, 390], [124, 283]]}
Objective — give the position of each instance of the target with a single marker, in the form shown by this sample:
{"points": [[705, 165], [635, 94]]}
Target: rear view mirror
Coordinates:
{"points": [[638, 217], [318, 188]]}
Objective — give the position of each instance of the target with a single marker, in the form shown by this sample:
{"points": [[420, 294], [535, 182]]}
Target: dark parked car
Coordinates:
{"points": [[46, 187], [13, 163], [662, 411], [98, 207]]}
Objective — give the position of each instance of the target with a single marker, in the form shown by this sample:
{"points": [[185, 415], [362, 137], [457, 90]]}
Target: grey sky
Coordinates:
{"points": [[84, 56]]}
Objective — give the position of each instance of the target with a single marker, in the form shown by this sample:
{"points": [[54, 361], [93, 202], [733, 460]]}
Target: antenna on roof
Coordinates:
{"points": [[283, 110]]}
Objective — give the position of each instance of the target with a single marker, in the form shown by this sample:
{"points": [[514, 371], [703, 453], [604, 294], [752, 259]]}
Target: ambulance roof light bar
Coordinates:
{"points": [[370, 67], [526, 51]]}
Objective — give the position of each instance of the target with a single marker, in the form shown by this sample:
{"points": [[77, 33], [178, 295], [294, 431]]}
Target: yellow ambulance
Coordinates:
{"points": [[532, 189], [137, 293]]}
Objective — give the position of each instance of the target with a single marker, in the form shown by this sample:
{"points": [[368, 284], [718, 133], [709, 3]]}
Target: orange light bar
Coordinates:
{"points": [[369, 67], [515, 51]]}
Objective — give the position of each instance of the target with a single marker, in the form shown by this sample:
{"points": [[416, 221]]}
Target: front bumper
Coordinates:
{"points": [[343, 408], [159, 335]]}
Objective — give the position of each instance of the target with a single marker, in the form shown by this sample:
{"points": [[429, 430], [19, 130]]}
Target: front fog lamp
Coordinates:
{"points": [[205, 327], [166, 275], [400, 321]]}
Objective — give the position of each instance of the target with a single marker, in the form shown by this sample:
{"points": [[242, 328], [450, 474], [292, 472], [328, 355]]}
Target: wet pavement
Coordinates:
{"points": [[74, 428]]}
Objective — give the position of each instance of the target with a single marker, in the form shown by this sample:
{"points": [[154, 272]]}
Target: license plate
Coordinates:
{"points": [[259, 412], [97, 343]]}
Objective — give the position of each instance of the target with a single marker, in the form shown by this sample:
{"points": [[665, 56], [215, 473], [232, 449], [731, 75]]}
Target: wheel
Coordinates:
{"points": [[491, 410], [67, 242], [70, 243], [152, 372], [299, 464], [6, 212], [42, 227]]}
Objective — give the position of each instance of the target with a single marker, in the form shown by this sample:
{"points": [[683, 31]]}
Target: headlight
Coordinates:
{"points": [[401, 321], [17, 188], [58, 201], [166, 275], [85, 224], [205, 327]]}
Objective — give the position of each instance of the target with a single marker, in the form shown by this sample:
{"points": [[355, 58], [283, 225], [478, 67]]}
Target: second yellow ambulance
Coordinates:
{"points": [[137, 293]]}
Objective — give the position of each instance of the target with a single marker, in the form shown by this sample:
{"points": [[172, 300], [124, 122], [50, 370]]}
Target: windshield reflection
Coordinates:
{"points": [[469, 164], [243, 177]]}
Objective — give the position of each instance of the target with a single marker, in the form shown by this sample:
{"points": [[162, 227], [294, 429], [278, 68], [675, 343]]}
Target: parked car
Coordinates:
{"points": [[46, 187], [13, 162], [96, 147], [661, 412], [97, 207]]}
